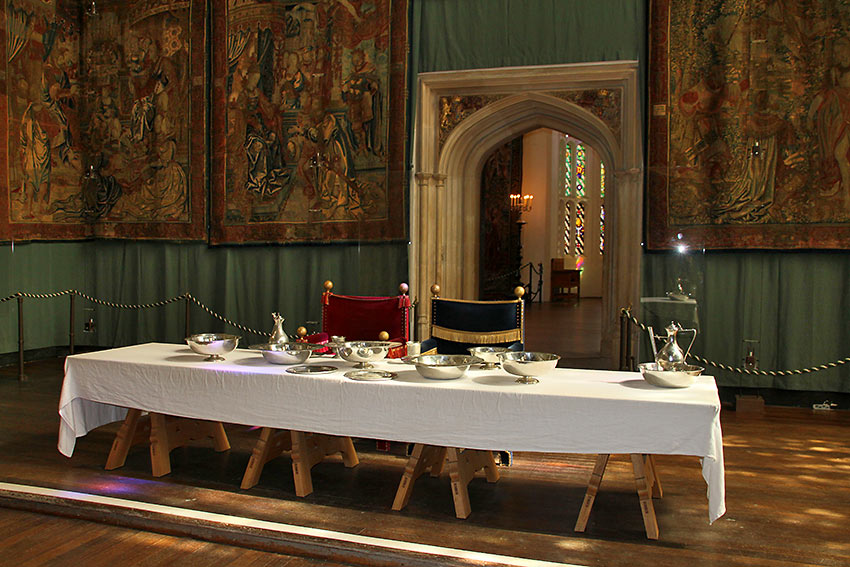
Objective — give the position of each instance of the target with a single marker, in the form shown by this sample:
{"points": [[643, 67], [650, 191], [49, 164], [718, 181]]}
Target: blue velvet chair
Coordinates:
{"points": [[458, 324]]}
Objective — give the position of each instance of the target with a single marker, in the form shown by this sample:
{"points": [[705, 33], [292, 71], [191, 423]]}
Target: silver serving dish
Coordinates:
{"points": [[213, 345], [443, 366], [679, 378], [528, 365], [363, 352], [370, 375], [309, 369], [286, 353], [489, 354]]}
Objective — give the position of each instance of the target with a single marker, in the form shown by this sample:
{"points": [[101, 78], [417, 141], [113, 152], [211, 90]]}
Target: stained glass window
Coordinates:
{"points": [[601, 180], [568, 215], [602, 229], [580, 170], [580, 228], [602, 208], [568, 168]]}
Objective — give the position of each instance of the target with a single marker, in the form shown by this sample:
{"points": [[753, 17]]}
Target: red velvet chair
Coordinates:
{"points": [[365, 318]]}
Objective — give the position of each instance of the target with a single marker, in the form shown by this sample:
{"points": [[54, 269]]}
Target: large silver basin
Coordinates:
{"points": [[286, 353], [681, 378], [443, 366], [363, 352], [213, 345], [528, 365]]}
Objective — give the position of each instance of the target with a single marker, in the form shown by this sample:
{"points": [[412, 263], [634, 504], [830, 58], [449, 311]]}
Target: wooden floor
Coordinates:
{"points": [[787, 479], [571, 329], [32, 539]]}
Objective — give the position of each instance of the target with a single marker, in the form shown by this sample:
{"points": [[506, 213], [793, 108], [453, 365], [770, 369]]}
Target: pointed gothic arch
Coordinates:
{"points": [[445, 202]]}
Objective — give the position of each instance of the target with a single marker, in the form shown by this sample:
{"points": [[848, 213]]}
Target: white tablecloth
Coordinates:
{"points": [[569, 411]]}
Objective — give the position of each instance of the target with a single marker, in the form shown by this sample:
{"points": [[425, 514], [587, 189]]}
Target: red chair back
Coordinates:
{"points": [[361, 318]]}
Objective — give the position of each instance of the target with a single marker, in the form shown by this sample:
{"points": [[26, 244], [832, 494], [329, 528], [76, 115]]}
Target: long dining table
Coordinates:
{"points": [[568, 411]]}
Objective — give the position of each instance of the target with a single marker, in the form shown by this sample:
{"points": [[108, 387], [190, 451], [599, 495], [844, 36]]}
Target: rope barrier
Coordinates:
{"points": [[225, 319], [162, 303], [626, 311]]}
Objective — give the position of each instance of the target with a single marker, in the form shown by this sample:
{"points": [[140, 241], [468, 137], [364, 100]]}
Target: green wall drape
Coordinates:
{"points": [[794, 304], [244, 284], [470, 34]]}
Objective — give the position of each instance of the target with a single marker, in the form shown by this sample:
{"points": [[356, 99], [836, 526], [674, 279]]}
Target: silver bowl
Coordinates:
{"points": [[489, 354], [681, 378], [527, 365], [363, 352], [213, 345], [286, 353], [443, 366]]}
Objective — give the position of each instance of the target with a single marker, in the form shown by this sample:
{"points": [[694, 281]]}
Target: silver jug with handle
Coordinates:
{"points": [[670, 356], [278, 334]]}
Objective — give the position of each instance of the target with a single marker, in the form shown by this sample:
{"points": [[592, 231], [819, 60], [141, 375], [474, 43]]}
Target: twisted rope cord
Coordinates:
{"points": [[628, 313], [113, 304], [221, 318]]}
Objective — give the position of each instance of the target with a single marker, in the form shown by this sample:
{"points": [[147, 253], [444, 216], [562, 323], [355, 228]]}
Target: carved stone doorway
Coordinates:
{"points": [[463, 116]]}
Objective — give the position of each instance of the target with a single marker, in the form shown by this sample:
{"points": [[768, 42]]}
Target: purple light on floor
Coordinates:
{"points": [[120, 485]]}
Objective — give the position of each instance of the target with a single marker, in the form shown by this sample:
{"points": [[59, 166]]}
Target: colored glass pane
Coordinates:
{"points": [[601, 180], [580, 172], [568, 214], [602, 208], [602, 229], [568, 168], [579, 229]]}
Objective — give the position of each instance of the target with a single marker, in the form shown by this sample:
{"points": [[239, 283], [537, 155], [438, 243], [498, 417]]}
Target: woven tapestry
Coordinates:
{"points": [[104, 120], [308, 120], [749, 144]]}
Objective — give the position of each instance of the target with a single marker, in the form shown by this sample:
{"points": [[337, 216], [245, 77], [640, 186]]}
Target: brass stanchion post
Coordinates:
{"points": [[623, 331], [21, 376], [186, 334], [71, 325]]}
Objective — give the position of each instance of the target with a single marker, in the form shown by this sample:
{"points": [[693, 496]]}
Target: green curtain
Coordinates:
{"points": [[245, 284], [472, 34], [794, 304], [40, 268]]}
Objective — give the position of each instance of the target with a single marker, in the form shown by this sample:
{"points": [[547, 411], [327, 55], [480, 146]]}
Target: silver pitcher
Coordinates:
{"points": [[278, 334], [670, 356]]}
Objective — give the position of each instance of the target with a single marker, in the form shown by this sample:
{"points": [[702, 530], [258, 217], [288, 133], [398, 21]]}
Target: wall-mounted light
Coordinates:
{"points": [[521, 203]]}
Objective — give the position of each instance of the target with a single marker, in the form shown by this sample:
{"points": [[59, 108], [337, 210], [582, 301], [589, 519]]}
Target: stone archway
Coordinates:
{"points": [[446, 192]]}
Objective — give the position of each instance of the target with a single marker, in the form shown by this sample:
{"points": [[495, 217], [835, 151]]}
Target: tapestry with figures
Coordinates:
{"points": [[749, 144], [104, 117], [308, 120]]}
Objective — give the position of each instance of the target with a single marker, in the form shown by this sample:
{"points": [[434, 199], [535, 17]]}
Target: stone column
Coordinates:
{"points": [[440, 230], [625, 235], [425, 254]]}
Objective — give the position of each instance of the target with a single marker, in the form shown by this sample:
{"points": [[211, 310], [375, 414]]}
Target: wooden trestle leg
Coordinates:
{"points": [[652, 476], [461, 465], [644, 489], [309, 449], [168, 433], [646, 481], [164, 433], [271, 444], [421, 459], [132, 432], [592, 489]]}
